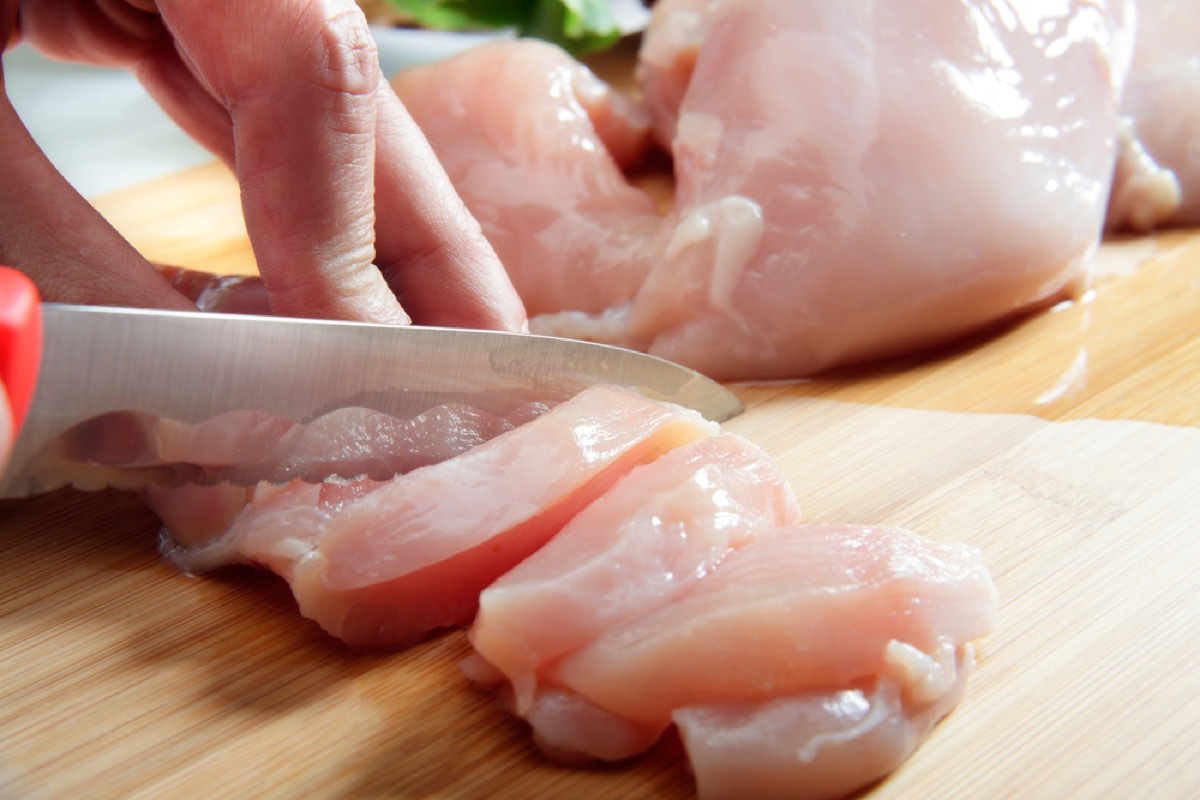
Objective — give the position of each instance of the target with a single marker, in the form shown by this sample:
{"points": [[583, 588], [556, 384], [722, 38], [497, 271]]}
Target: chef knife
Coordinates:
{"points": [[114, 384]]}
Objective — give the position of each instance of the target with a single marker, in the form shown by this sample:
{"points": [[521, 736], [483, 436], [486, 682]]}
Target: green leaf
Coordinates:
{"points": [[454, 15], [579, 26]]}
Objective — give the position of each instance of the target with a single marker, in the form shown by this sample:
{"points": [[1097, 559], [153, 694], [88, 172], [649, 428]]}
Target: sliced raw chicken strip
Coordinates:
{"points": [[239, 445], [347, 442], [814, 658], [662, 528], [384, 563], [823, 744], [811, 606]]}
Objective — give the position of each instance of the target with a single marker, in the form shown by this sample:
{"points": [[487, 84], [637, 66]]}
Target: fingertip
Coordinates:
{"points": [[510, 312]]}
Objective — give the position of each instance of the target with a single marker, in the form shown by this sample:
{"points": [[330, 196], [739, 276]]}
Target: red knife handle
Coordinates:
{"points": [[20, 341]]}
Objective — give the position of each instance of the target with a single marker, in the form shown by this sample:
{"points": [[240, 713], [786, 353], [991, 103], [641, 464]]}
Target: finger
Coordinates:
{"points": [[299, 81], [107, 32], [174, 86], [48, 231], [431, 249]]}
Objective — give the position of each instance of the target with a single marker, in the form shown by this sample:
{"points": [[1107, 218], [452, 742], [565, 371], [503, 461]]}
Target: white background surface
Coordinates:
{"points": [[98, 126]]}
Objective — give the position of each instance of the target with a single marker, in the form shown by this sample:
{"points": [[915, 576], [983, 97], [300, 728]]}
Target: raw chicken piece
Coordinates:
{"points": [[383, 563], [823, 744], [657, 532], [812, 606], [242, 445], [853, 179], [534, 142], [347, 442], [136, 439], [1158, 171], [667, 58], [358, 441], [573, 731], [813, 657], [899, 190], [227, 294]]}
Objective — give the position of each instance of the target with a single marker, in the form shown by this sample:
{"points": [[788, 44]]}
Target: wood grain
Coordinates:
{"points": [[120, 677]]}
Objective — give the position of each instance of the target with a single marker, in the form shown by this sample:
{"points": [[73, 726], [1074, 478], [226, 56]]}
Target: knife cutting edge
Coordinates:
{"points": [[104, 396]]}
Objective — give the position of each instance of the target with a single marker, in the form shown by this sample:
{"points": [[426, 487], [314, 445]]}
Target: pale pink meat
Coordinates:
{"points": [[662, 528], [677, 31], [633, 569], [823, 743], [807, 661], [135, 439], [245, 445], [384, 563], [347, 442], [929, 167], [350, 442], [853, 180], [226, 294], [571, 730], [1158, 173], [810, 606], [534, 143]]}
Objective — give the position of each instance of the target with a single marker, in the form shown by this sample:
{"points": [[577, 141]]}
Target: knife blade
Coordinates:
{"points": [[116, 384]]}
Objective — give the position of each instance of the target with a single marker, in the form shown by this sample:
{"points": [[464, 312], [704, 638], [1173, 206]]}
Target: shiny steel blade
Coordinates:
{"points": [[110, 377]]}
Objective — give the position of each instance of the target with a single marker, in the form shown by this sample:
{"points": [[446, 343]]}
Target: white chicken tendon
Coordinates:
{"points": [[853, 179]]}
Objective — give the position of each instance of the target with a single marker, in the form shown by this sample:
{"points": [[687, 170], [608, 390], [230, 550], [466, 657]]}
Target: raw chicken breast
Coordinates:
{"points": [[812, 606], [662, 528], [633, 569], [571, 730], [348, 442], [534, 143], [899, 189], [853, 179], [665, 63], [803, 661], [1158, 172], [383, 563], [823, 744]]}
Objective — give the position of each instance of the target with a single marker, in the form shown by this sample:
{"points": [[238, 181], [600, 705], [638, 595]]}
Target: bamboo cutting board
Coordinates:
{"points": [[1076, 471]]}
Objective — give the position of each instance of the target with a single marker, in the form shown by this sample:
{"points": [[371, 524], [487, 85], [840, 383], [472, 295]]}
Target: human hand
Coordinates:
{"points": [[349, 213]]}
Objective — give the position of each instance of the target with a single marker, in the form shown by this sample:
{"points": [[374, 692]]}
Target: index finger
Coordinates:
{"points": [[299, 80]]}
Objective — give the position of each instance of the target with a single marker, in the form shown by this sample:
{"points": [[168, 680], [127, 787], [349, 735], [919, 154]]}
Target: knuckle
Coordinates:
{"points": [[347, 61]]}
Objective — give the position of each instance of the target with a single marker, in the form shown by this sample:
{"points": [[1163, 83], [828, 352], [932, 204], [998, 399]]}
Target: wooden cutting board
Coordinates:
{"points": [[1076, 471]]}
